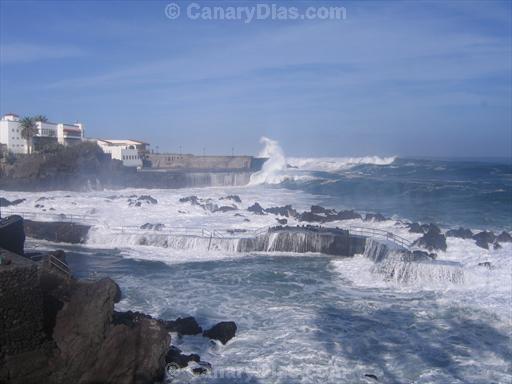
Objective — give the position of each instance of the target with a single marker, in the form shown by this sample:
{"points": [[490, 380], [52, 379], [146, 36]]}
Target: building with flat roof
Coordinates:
{"points": [[130, 152], [45, 133]]}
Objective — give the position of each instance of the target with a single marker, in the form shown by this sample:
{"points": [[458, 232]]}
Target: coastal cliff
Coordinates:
{"points": [[60, 330]]}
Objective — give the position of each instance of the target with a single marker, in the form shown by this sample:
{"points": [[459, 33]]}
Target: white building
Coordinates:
{"points": [[130, 152], [10, 134], [65, 134]]}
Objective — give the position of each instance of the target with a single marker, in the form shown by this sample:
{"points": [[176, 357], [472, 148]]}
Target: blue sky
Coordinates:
{"points": [[428, 78]]}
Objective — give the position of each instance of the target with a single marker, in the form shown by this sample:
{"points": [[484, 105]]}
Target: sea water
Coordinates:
{"points": [[310, 318]]}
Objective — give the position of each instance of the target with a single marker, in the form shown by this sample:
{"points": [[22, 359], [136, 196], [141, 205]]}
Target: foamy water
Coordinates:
{"points": [[302, 318]]}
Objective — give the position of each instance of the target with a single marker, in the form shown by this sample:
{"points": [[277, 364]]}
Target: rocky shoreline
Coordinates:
{"points": [[57, 329]]}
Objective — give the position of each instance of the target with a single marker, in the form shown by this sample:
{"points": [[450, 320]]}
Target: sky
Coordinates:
{"points": [[425, 78]]}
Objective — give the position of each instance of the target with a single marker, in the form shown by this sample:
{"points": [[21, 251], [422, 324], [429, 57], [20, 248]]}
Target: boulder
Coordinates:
{"points": [[496, 245], [374, 217], [311, 217], [484, 238], [319, 210], [94, 349], [346, 215], [184, 326], [461, 233], [194, 200], [234, 198], [504, 237], [416, 228], [257, 209], [155, 227], [223, 331], [174, 356], [282, 221], [148, 199], [286, 211], [432, 240]]}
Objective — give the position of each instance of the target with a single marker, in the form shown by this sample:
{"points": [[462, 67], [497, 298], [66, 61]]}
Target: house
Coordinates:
{"points": [[130, 152], [45, 133]]}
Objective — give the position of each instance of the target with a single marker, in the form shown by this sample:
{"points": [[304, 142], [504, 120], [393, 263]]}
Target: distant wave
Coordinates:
{"points": [[278, 169], [337, 164]]}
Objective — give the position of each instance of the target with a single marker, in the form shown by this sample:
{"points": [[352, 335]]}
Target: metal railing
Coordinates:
{"points": [[74, 218], [380, 234]]}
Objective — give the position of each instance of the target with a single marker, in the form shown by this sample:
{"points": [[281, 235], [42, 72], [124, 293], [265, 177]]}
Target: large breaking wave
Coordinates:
{"points": [[278, 168]]}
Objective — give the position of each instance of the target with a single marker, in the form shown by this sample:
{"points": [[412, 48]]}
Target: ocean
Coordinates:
{"points": [[309, 318]]}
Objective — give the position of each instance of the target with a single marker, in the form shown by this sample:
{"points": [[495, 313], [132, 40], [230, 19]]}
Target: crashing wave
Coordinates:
{"points": [[337, 164]]}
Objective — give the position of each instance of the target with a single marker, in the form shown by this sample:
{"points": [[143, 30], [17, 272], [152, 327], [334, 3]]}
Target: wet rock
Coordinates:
{"points": [[155, 227], [286, 211], [184, 326], [432, 240], [128, 318], [461, 233], [194, 200], [374, 217], [422, 255], [371, 376], [319, 210], [504, 237], [257, 209], [199, 371], [226, 208], [234, 198], [311, 217], [416, 228], [148, 199], [223, 331], [175, 356], [282, 221], [496, 245], [39, 206], [484, 238], [236, 231], [346, 215], [485, 264]]}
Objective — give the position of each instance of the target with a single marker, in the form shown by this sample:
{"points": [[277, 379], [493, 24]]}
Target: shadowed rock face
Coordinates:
{"points": [[432, 240], [85, 345], [12, 235], [223, 331]]}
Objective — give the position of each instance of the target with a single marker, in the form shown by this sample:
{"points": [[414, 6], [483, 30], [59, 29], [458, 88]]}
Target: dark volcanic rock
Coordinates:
{"points": [[12, 234], [148, 199], [286, 211], [282, 221], [346, 215], [319, 210], [496, 245], [461, 233], [422, 255], [155, 227], [374, 217], [416, 228], [257, 209], [194, 200], [504, 237], [226, 208], [57, 231], [174, 356], [234, 198], [432, 240], [485, 264], [311, 217], [484, 238], [93, 349], [223, 331], [184, 326]]}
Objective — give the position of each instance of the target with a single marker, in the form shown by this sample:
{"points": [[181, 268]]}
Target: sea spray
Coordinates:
{"points": [[275, 164]]}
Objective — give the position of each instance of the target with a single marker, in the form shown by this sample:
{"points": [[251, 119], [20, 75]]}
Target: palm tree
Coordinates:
{"points": [[40, 118], [28, 130]]}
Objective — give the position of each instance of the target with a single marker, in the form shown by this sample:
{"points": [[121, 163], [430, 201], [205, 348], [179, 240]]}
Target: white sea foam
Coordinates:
{"points": [[337, 164]]}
